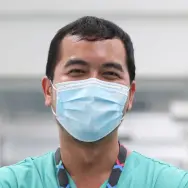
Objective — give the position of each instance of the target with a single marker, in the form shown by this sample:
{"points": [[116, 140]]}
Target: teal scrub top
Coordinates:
{"points": [[139, 172]]}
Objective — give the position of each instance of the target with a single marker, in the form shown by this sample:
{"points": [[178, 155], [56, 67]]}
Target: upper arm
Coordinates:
{"points": [[171, 177], [184, 182], [1, 186], [7, 178], [21, 175]]}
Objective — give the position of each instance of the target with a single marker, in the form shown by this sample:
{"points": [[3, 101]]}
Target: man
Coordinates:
{"points": [[90, 85]]}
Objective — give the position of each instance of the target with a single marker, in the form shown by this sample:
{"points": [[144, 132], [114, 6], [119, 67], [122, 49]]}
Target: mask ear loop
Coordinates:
{"points": [[51, 105], [53, 86], [123, 117]]}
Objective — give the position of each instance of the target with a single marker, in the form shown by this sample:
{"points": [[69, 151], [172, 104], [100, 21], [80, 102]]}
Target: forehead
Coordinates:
{"points": [[92, 51]]}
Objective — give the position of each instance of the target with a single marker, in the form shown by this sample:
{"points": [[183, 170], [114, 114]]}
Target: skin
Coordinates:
{"points": [[78, 60]]}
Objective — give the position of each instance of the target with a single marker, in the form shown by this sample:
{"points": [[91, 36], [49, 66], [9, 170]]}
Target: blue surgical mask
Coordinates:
{"points": [[90, 109]]}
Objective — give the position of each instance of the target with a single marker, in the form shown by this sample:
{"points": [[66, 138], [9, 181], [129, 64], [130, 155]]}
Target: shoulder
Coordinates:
{"points": [[164, 175], [24, 172]]}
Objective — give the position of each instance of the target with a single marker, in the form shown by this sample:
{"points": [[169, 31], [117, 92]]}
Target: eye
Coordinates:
{"points": [[76, 72], [111, 74]]}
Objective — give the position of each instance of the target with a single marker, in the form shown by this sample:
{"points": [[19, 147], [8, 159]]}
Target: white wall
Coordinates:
{"points": [[98, 5], [159, 30]]}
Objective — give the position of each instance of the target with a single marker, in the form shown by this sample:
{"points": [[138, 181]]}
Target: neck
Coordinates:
{"points": [[89, 158]]}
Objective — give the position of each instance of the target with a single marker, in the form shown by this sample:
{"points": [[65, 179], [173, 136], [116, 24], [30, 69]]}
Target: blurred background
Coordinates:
{"points": [[158, 124]]}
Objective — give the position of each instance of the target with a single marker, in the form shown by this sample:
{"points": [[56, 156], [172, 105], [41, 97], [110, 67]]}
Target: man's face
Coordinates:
{"points": [[81, 59]]}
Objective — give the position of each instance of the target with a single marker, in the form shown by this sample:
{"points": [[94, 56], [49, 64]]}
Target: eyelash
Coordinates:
{"points": [[112, 74], [76, 70]]}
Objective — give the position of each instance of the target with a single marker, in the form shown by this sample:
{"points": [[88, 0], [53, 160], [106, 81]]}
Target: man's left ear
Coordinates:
{"points": [[131, 94]]}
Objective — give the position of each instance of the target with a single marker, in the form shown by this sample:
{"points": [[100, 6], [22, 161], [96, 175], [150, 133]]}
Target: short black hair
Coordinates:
{"points": [[92, 29]]}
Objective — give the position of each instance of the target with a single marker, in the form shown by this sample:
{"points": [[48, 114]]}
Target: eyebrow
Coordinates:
{"points": [[75, 62], [113, 65], [84, 63]]}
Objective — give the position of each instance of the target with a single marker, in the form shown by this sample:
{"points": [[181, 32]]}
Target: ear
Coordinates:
{"points": [[131, 94], [47, 90]]}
